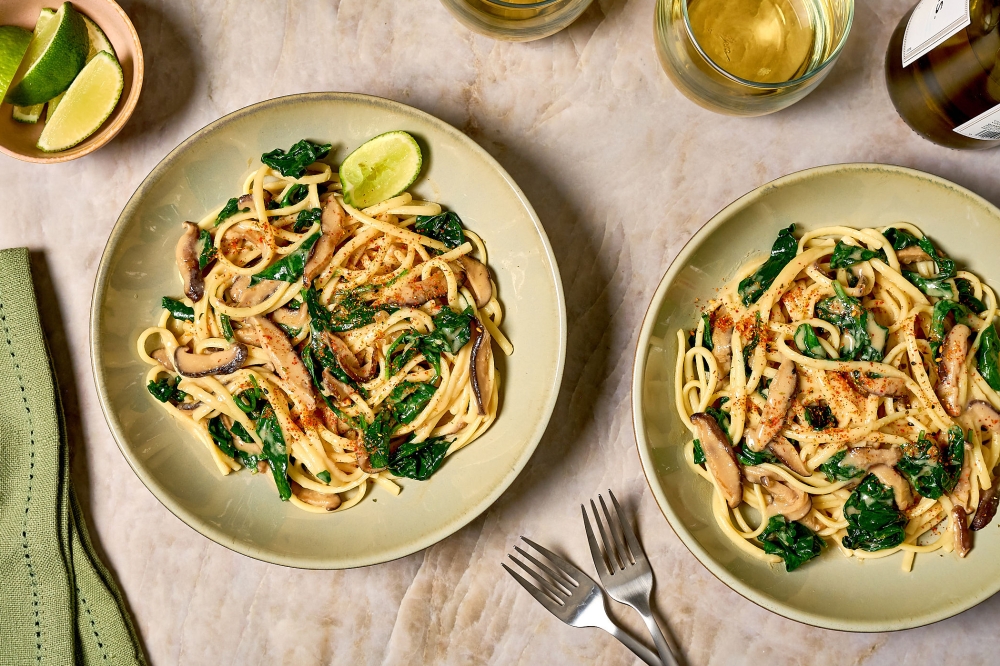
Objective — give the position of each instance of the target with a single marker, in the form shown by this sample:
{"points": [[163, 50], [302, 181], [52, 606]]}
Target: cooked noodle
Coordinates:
{"points": [[889, 396], [353, 390]]}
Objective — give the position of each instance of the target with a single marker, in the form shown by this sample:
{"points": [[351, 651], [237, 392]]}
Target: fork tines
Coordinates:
{"points": [[556, 586], [621, 549]]}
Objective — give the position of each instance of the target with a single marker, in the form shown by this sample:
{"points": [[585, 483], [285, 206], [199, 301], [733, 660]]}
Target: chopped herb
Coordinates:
{"points": [[348, 313], [227, 327], [873, 520], [931, 471], [706, 334], [326, 358], [750, 346], [241, 432], [940, 313], [221, 436], [795, 543], [275, 451], [783, 250], [409, 399], [749, 457], [900, 239], [721, 417], [231, 208], [290, 331], [862, 339], [252, 402], [419, 460], [295, 194], [988, 357], [376, 438], [820, 417], [324, 476], [451, 332], [936, 286], [699, 453], [845, 255], [177, 309], [165, 390], [299, 156], [224, 440], [808, 343], [206, 250], [944, 265], [836, 469], [445, 227], [967, 296], [289, 268], [306, 218]]}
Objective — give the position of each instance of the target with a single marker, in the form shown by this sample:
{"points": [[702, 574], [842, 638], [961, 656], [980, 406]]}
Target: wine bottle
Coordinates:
{"points": [[943, 72]]}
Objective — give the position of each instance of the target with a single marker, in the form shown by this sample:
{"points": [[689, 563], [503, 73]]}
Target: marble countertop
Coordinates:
{"points": [[622, 170]]}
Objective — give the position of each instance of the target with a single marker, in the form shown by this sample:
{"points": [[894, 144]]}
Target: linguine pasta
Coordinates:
{"points": [[844, 392], [330, 346]]}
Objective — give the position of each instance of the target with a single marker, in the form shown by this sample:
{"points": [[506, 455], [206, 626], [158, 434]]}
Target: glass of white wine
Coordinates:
{"points": [[516, 20], [750, 57]]}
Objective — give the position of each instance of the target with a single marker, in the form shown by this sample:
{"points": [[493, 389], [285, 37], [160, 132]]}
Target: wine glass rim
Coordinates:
{"points": [[523, 5], [781, 84]]}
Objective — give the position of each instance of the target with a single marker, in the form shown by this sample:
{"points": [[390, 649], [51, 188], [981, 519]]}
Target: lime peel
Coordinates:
{"points": [[28, 114]]}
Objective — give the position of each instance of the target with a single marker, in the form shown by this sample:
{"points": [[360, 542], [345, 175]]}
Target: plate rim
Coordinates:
{"points": [[216, 534], [643, 445]]}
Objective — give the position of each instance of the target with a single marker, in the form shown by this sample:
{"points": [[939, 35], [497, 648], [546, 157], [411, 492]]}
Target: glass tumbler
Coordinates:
{"points": [[706, 83], [516, 20]]}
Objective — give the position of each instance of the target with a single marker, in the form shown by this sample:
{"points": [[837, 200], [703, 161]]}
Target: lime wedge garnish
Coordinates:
{"points": [[28, 114], [381, 168], [87, 104], [55, 56], [13, 45], [98, 42]]}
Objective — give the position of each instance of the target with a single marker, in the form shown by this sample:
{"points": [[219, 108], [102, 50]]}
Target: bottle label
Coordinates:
{"points": [[930, 24], [985, 126]]}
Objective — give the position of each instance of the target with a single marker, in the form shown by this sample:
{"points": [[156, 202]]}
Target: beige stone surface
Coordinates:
{"points": [[621, 169]]}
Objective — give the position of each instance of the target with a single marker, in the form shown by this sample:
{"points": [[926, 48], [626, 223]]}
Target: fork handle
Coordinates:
{"points": [[666, 653], [635, 646]]}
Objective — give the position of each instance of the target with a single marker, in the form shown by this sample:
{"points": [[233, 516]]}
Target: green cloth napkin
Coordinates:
{"points": [[58, 603]]}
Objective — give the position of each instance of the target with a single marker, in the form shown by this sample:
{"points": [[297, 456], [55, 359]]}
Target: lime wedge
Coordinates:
{"points": [[381, 168], [87, 104], [13, 45], [31, 114], [28, 114], [54, 102], [55, 56], [98, 42]]}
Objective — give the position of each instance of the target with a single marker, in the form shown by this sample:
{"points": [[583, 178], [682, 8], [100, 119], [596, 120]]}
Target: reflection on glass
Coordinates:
{"points": [[516, 20], [750, 57]]}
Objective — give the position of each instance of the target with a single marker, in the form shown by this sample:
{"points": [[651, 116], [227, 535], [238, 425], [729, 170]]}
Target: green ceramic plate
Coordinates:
{"points": [[833, 591], [244, 512]]}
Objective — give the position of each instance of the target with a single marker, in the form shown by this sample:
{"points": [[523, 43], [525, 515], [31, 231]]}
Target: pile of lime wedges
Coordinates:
{"points": [[66, 69]]}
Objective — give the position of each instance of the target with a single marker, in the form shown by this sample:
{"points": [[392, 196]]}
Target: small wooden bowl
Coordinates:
{"points": [[18, 139]]}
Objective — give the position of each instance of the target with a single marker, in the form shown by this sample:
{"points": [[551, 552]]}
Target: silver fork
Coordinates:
{"points": [[572, 596], [625, 572]]}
